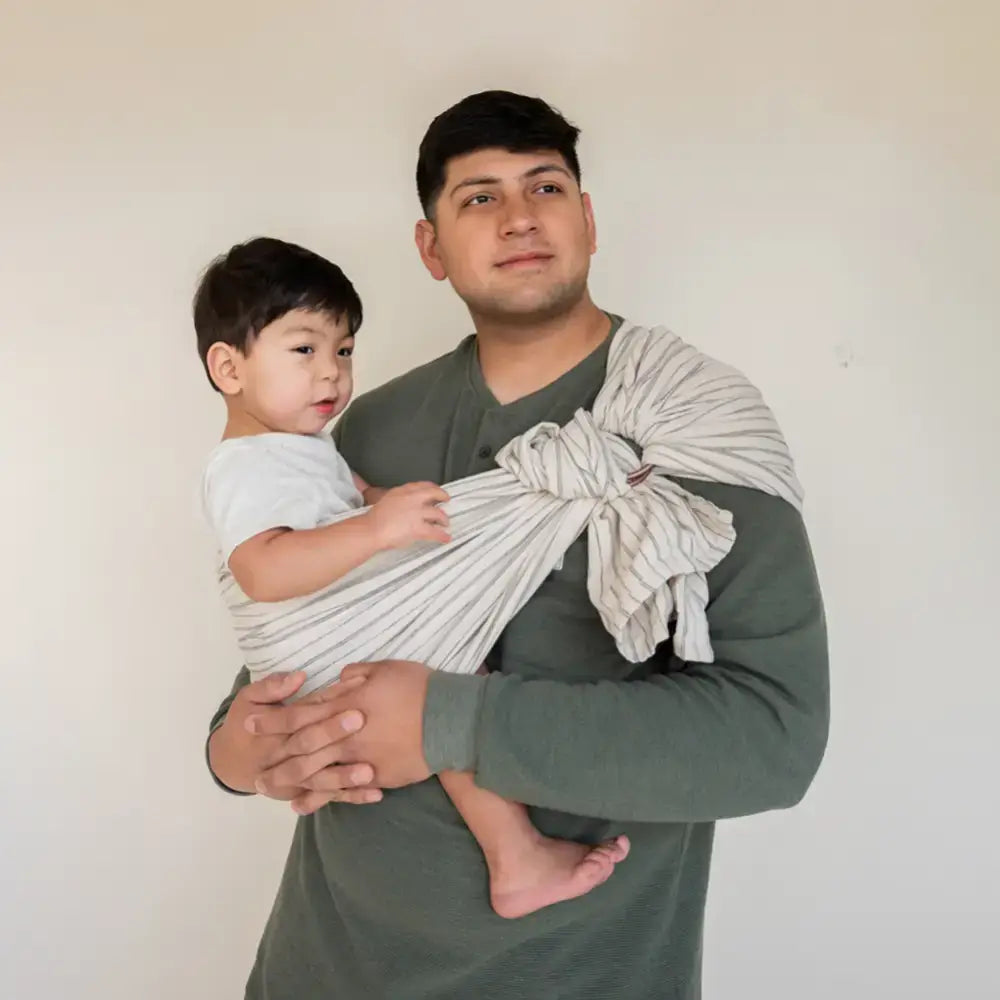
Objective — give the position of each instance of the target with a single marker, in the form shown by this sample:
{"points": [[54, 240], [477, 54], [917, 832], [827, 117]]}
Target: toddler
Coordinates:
{"points": [[276, 327]]}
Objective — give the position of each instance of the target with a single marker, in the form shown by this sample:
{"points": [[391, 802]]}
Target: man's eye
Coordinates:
{"points": [[303, 349], [479, 199], [549, 189]]}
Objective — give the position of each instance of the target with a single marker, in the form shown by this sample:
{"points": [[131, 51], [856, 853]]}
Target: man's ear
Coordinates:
{"points": [[588, 213], [427, 245], [223, 366]]}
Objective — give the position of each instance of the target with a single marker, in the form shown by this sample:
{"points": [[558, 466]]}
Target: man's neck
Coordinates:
{"points": [[519, 360]]}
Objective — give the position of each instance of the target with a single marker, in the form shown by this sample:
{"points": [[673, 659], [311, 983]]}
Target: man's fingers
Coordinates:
{"points": [[307, 804], [311, 801], [318, 773], [340, 777], [359, 796], [302, 771], [332, 691], [292, 718], [319, 735], [281, 794], [274, 688], [355, 673]]}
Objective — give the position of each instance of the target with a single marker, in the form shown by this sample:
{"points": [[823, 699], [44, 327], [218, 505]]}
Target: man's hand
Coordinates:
{"points": [[390, 696], [285, 751]]}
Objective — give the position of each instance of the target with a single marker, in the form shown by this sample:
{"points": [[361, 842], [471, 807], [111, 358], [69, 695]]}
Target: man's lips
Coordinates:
{"points": [[525, 259]]}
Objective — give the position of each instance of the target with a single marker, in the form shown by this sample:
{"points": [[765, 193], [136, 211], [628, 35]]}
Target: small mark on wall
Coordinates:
{"points": [[844, 355]]}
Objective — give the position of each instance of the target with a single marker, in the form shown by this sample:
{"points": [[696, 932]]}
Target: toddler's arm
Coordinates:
{"points": [[280, 564], [372, 494]]}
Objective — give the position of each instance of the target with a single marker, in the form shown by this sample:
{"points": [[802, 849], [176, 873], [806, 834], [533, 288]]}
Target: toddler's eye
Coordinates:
{"points": [[303, 349]]}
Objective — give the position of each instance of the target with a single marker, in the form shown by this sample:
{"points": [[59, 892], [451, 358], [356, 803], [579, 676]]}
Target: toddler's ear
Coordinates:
{"points": [[223, 368]]}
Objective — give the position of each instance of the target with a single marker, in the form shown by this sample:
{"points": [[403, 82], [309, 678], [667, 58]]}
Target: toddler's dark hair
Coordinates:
{"points": [[260, 281]]}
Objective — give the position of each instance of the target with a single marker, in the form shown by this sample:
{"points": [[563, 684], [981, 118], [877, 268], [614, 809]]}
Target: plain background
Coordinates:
{"points": [[810, 191]]}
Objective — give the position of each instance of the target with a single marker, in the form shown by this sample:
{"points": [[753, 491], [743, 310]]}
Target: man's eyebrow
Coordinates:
{"points": [[474, 182], [546, 168], [486, 180]]}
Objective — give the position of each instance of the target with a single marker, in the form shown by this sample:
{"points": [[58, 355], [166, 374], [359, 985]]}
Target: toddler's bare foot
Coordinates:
{"points": [[551, 871]]}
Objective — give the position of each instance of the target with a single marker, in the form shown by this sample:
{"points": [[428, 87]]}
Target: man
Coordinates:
{"points": [[390, 900]]}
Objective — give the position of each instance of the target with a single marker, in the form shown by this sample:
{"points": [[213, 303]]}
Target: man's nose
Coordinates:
{"points": [[519, 218]]}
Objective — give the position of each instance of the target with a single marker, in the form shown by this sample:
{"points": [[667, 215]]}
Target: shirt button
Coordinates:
{"points": [[485, 451]]}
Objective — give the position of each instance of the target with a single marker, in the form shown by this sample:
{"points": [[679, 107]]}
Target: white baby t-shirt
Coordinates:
{"points": [[254, 484]]}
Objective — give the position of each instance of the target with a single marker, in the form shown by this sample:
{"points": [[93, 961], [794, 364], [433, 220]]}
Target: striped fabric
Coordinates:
{"points": [[650, 542]]}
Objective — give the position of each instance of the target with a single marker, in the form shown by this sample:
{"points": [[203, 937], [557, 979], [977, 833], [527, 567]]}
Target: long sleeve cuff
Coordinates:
{"points": [[216, 723], [451, 718]]}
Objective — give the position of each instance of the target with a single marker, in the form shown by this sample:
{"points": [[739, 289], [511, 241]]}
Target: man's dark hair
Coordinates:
{"points": [[494, 119], [258, 282]]}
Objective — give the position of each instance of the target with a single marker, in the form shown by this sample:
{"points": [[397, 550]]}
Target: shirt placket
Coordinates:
{"points": [[490, 438]]}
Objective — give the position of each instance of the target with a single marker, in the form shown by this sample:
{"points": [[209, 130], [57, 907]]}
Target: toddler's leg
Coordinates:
{"points": [[527, 870]]}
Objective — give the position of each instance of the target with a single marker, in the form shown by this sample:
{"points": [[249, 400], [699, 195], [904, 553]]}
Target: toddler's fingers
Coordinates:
{"points": [[432, 533], [430, 493], [437, 516], [424, 486]]}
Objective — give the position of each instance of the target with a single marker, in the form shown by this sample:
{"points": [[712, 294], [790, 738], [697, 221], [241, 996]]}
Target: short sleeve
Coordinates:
{"points": [[249, 490]]}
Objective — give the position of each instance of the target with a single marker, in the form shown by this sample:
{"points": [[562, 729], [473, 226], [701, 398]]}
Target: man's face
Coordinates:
{"points": [[512, 233]]}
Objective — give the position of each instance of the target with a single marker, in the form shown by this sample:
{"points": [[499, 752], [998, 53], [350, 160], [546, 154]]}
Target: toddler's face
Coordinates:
{"points": [[297, 375]]}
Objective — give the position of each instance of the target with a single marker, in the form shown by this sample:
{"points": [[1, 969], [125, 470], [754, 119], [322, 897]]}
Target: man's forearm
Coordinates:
{"points": [[696, 742], [704, 744], [224, 765], [241, 681]]}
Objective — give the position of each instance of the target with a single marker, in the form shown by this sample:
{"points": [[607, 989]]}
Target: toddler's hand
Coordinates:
{"points": [[408, 514]]}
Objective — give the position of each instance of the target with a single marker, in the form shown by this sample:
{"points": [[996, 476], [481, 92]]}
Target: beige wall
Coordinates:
{"points": [[808, 190]]}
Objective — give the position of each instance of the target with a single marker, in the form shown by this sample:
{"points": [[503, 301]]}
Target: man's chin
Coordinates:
{"points": [[526, 309]]}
